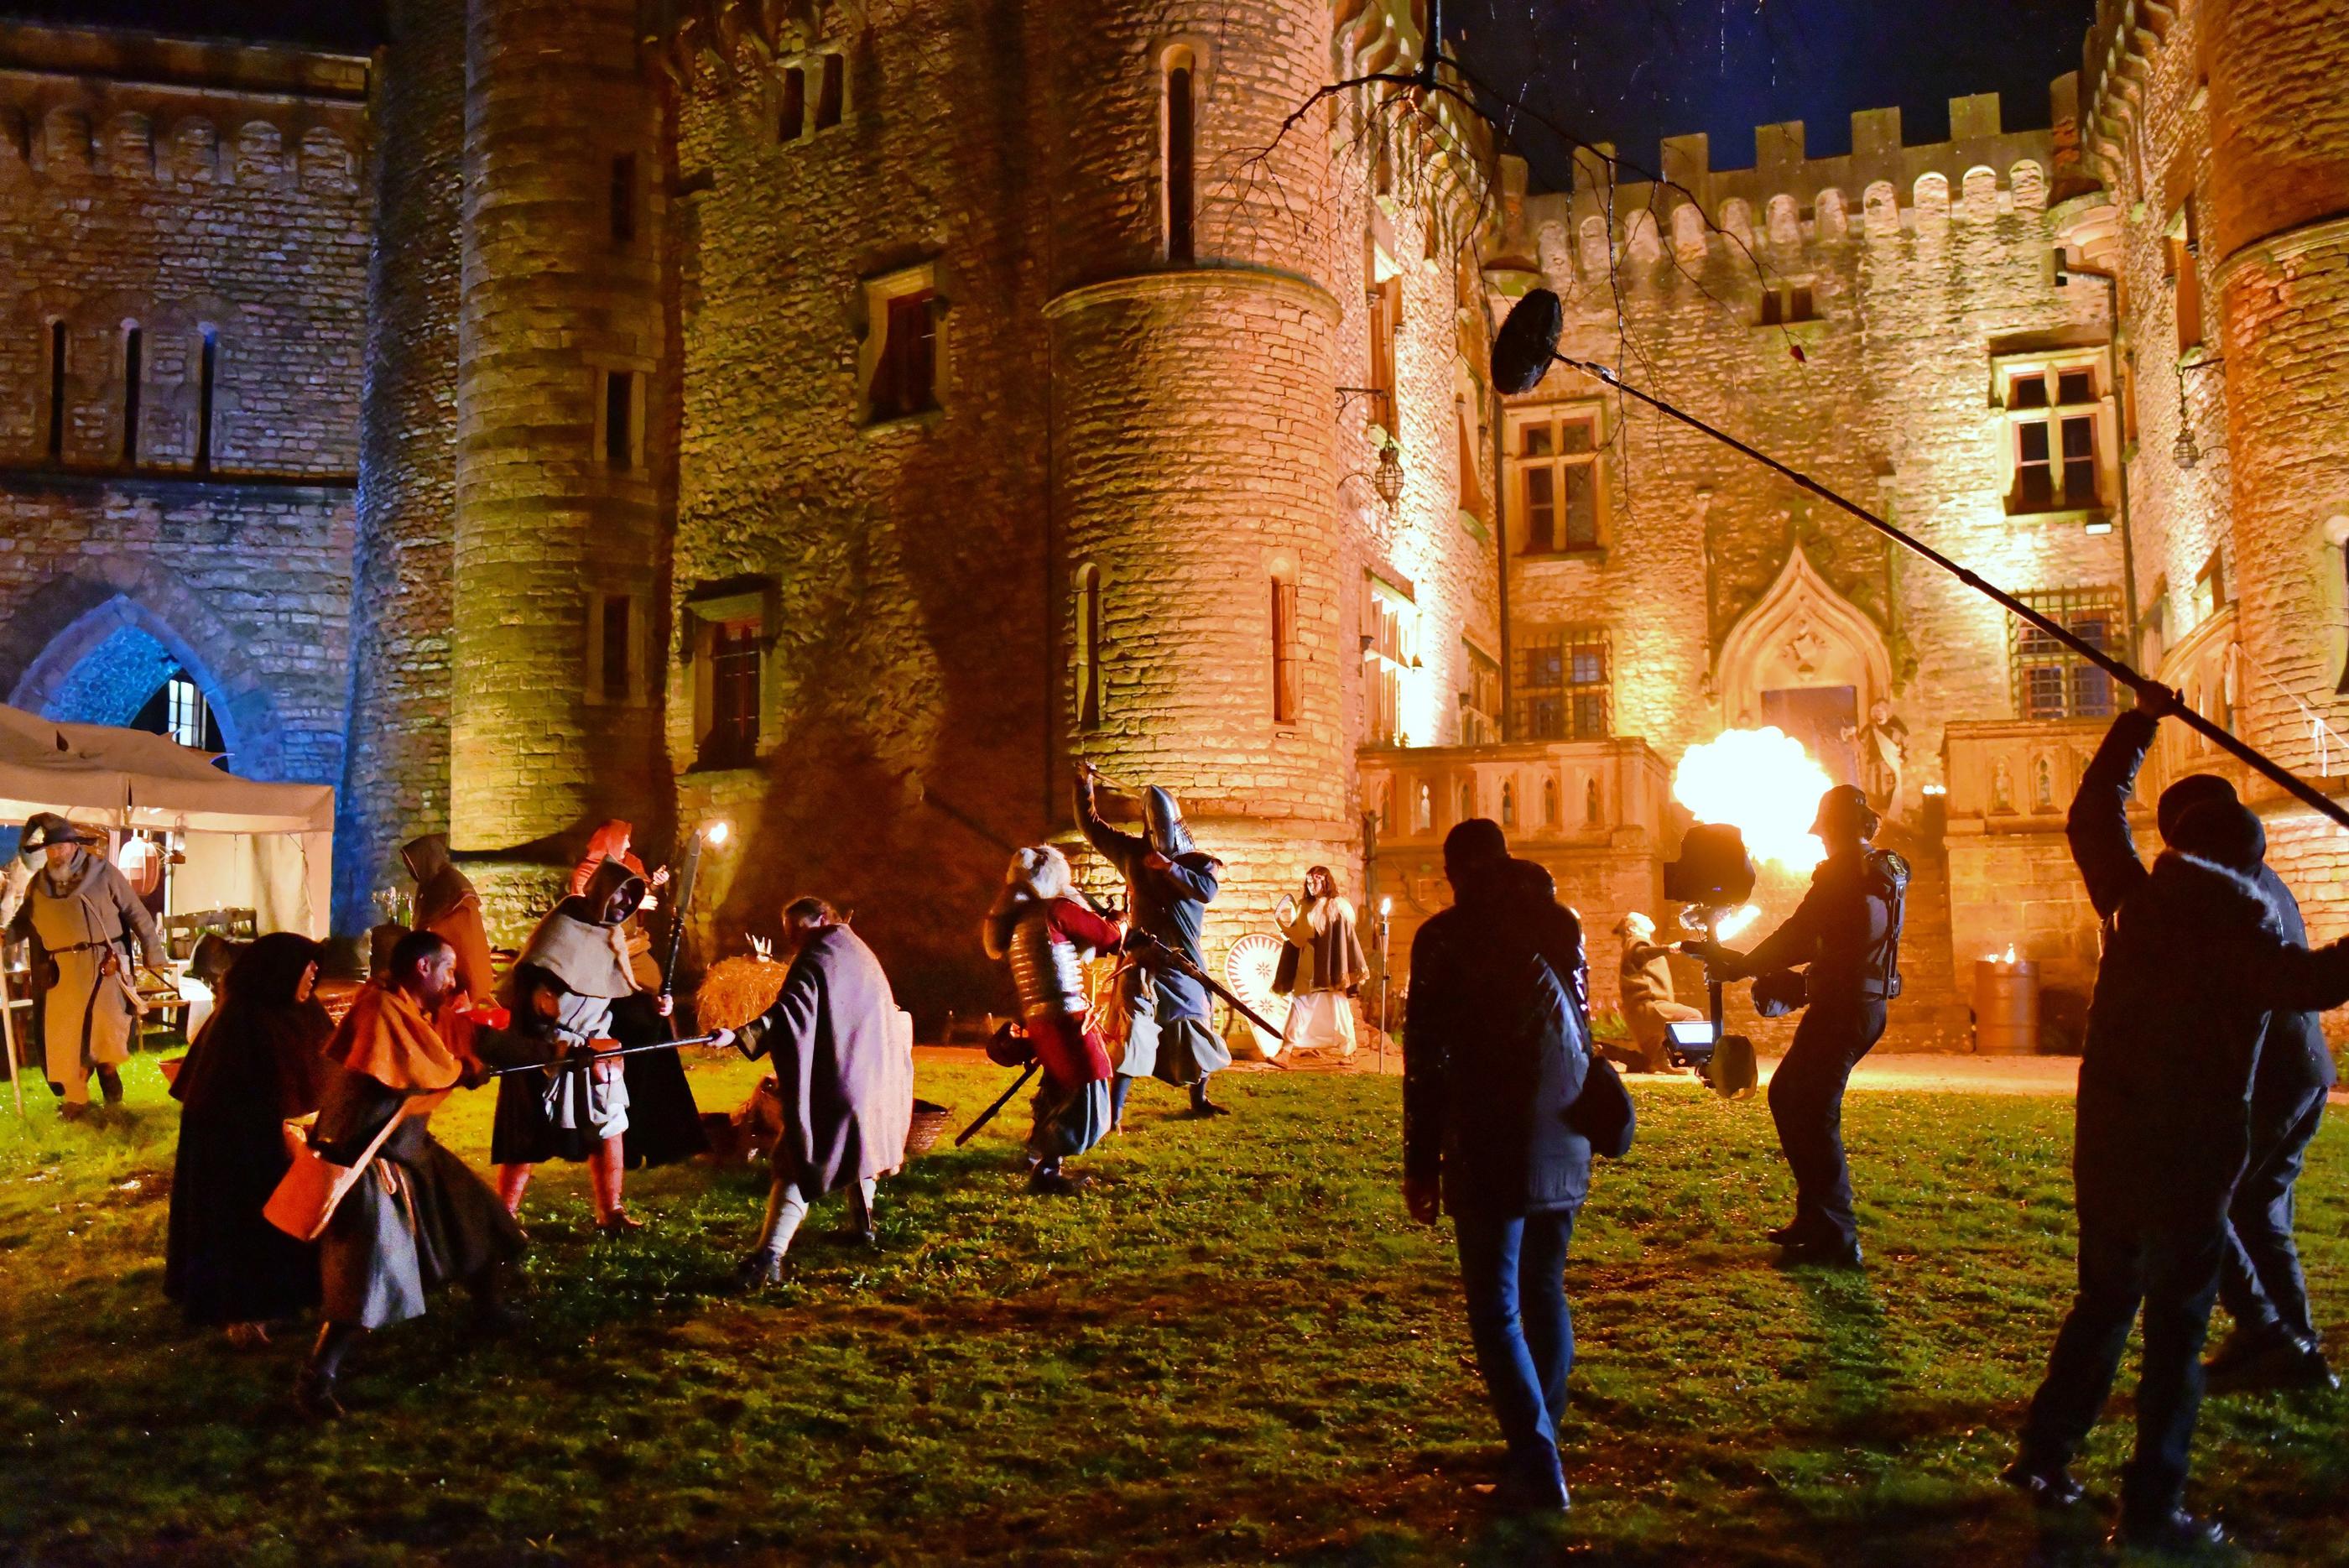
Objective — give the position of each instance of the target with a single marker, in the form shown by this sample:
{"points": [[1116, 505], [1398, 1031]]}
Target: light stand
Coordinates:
{"points": [[1386, 980]]}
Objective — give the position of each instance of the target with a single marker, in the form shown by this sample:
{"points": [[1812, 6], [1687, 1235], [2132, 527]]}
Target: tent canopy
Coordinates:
{"points": [[131, 778]]}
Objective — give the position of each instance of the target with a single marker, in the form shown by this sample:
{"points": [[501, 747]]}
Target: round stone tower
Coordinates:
{"points": [[1193, 337], [557, 510], [2277, 243]]}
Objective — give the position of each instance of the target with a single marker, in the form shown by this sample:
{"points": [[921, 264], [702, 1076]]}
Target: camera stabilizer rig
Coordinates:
{"points": [[1713, 876]]}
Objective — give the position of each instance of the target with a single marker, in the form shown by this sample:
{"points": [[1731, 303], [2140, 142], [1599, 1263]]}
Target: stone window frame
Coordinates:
{"points": [[810, 66], [1482, 701], [1390, 653], [875, 295], [1284, 642], [707, 608], [1194, 52], [1090, 584], [1516, 465], [1789, 302], [637, 689], [601, 368], [1578, 705], [2102, 409], [2080, 690]]}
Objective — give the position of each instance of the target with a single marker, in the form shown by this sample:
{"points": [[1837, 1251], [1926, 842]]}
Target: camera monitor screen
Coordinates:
{"points": [[1694, 1032]]}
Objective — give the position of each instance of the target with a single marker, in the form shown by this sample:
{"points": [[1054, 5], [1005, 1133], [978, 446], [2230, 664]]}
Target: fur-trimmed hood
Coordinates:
{"points": [[2216, 899]]}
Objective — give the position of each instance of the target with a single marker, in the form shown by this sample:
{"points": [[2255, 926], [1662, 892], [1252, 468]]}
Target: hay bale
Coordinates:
{"points": [[737, 990]]}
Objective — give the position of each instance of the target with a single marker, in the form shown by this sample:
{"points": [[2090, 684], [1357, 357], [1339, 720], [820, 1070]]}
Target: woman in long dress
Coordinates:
{"points": [[1321, 967], [258, 1062]]}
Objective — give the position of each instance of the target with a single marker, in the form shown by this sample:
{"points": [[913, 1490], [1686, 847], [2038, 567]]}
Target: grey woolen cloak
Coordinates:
{"points": [[843, 1062]]}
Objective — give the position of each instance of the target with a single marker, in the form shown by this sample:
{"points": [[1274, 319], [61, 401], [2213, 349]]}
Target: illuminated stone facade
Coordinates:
{"points": [[846, 424]]}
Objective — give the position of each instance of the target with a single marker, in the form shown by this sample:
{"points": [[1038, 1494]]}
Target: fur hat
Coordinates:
{"points": [[1040, 871]]}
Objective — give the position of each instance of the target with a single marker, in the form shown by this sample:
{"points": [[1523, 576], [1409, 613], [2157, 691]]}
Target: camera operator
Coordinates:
{"points": [[1847, 930]]}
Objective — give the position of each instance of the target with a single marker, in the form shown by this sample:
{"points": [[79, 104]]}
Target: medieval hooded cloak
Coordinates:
{"points": [[843, 1063], [417, 1217], [448, 906], [1163, 1010], [257, 1062], [562, 990], [664, 1123]]}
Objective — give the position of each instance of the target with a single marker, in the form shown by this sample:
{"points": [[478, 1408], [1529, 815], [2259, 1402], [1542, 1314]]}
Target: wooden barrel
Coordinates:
{"points": [[2006, 1007]]}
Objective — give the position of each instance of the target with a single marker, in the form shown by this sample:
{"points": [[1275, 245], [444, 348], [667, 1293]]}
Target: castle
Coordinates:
{"points": [[844, 419]]}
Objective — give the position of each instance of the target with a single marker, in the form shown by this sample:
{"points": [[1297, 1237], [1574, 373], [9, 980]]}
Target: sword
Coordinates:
{"points": [[567, 1063], [988, 1115], [1182, 961]]}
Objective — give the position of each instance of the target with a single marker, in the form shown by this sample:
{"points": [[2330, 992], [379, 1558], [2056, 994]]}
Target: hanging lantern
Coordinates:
{"points": [[1388, 480]]}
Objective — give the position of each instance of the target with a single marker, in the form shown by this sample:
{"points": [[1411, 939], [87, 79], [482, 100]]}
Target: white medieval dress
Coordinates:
{"points": [[87, 922], [1322, 965]]}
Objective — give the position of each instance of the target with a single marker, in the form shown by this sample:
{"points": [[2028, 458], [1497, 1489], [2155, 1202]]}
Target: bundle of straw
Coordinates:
{"points": [[737, 990]]}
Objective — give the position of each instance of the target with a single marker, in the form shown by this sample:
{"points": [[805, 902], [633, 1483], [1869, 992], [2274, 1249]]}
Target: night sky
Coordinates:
{"points": [[1630, 71]]}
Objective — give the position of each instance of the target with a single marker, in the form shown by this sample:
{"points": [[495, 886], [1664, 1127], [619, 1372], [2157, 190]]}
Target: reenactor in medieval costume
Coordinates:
{"points": [[88, 930], [843, 1060], [664, 1123], [417, 1217], [1847, 930], [447, 905], [565, 985], [1045, 934], [1321, 967], [1644, 984], [1165, 1024], [2193, 969]]}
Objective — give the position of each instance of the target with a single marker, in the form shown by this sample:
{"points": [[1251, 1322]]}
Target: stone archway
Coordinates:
{"points": [[1808, 660], [64, 638]]}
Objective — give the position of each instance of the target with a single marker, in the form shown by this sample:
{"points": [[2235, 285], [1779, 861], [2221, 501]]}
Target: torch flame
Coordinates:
{"points": [[1763, 782], [718, 834]]}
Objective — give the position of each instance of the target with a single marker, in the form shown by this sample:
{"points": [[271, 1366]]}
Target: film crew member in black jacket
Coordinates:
{"points": [[2192, 968], [1496, 1050]]}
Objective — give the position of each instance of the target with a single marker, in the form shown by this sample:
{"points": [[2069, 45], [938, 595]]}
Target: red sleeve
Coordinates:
{"points": [[1080, 925]]}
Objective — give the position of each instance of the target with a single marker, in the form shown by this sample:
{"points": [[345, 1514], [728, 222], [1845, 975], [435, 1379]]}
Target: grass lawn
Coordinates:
{"points": [[1233, 1349]]}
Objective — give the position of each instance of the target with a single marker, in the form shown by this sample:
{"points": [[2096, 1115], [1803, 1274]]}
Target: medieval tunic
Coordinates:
{"points": [[417, 1217], [664, 1123], [843, 1067], [256, 1065], [1165, 1012], [1322, 963], [84, 922], [1645, 982], [1071, 1111], [579, 965], [448, 906]]}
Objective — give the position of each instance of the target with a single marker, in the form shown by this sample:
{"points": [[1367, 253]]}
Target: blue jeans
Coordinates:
{"points": [[1513, 1271]]}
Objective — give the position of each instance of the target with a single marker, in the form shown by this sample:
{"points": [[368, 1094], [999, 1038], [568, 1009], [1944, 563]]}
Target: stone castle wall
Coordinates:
{"points": [[394, 782], [186, 194], [2220, 129]]}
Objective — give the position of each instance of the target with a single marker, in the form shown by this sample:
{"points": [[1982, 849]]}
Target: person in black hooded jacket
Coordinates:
{"points": [[2192, 968], [1495, 1051]]}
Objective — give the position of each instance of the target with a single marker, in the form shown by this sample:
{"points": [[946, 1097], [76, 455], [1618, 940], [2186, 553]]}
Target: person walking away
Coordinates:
{"points": [[2162, 1126], [1494, 1055], [417, 1218], [1644, 984], [562, 991], [664, 1122], [1045, 935], [844, 1067], [1847, 930], [1321, 967], [258, 1062], [448, 905], [1162, 1012], [88, 930]]}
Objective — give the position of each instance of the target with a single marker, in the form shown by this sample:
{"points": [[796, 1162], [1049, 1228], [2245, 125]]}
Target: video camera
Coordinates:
{"points": [[1713, 876]]}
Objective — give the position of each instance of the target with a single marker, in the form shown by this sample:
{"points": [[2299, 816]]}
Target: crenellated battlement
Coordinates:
{"points": [[64, 132], [1788, 203]]}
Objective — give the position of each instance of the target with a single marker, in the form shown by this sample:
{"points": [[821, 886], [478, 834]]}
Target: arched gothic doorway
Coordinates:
{"points": [[1810, 661], [120, 664]]}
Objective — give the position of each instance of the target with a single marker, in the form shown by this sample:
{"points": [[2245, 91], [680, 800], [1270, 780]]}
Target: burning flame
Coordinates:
{"points": [[1737, 920], [1762, 782]]}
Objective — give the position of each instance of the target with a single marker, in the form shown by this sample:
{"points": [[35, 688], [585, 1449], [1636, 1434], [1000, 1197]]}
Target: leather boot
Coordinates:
{"points": [[313, 1389], [109, 1083]]}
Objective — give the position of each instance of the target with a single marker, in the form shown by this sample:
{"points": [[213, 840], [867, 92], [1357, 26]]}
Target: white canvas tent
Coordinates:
{"points": [[268, 847]]}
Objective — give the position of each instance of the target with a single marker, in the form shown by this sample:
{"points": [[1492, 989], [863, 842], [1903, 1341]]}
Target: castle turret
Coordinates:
{"points": [[557, 525], [2276, 248], [1193, 326]]}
